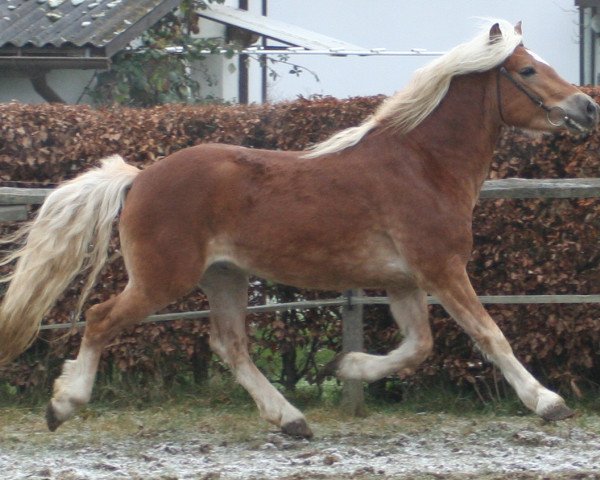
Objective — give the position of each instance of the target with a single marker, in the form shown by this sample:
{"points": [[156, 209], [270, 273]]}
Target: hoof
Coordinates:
{"points": [[51, 419], [331, 369], [298, 428], [557, 412]]}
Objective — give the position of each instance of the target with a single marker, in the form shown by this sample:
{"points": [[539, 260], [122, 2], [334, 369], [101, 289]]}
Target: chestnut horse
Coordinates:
{"points": [[387, 204]]}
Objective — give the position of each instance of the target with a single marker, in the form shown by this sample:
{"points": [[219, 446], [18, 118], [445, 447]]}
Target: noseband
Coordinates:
{"points": [[556, 116]]}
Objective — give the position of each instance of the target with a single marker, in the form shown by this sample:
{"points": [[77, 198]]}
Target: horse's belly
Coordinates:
{"points": [[336, 276], [366, 265]]}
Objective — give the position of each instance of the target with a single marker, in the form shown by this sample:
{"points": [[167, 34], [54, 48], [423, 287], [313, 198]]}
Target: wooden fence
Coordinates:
{"points": [[15, 203]]}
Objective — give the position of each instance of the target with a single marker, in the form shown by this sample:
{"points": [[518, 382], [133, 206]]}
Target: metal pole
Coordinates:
{"points": [[264, 59], [243, 67]]}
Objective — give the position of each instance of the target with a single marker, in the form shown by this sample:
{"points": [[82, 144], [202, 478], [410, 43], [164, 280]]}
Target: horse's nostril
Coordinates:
{"points": [[591, 107]]}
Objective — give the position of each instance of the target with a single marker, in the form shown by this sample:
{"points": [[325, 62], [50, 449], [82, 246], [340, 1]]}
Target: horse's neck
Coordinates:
{"points": [[459, 137]]}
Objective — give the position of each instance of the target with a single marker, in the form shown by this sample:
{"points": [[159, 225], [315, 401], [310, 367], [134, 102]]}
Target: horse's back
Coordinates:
{"points": [[197, 177]]}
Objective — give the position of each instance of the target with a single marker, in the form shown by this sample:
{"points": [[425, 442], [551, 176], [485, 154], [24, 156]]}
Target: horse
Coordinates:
{"points": [[387, 204]]}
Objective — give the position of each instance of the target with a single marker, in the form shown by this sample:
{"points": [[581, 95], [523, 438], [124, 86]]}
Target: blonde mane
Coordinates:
{"points": [[406, 109]]}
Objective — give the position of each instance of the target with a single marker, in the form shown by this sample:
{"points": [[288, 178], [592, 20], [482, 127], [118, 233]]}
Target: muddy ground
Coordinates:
{"points": [[179, 442]]}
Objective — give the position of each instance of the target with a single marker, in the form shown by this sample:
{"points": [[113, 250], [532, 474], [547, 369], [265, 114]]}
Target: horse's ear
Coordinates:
{"points": [[518, 28], [495, 33]]}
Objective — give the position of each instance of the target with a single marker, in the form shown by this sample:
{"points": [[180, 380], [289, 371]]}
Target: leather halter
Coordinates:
{"points": [[552, 113]]}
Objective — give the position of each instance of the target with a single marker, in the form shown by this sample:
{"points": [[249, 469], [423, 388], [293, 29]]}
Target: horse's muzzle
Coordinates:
{"points": [[581, 112]]}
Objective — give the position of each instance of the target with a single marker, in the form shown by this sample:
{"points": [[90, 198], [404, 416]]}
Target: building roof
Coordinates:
{"points": [[55, 34], [73, 33], [274, 29]]}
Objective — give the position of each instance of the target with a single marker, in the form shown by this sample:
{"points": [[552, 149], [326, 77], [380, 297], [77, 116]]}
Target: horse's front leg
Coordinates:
{"points": [[409, 309], [456, 294], [227, 290]]}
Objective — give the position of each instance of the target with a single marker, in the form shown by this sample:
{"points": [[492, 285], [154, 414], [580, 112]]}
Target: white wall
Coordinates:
{"points": [[225, 71], [217, 75], [69, 84], [550, 28]]}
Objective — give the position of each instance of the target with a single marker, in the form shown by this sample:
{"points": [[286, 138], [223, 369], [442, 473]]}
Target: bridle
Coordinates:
{"points": [[556, 116]]}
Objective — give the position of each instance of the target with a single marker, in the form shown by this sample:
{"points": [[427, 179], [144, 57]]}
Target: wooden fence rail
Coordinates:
{"points": [[544, 188], [14, 202]]}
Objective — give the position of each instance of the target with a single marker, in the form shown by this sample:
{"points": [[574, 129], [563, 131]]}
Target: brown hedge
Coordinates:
{"points": [[532, 246]]}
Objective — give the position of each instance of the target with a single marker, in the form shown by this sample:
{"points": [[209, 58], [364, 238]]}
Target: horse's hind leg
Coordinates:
{"points": [[456, 294], [158, 275], [409, 309], [73, 388], [227, 290]]}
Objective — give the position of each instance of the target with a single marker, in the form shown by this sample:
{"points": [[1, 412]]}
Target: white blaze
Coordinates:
{"points": [[537, 57]]}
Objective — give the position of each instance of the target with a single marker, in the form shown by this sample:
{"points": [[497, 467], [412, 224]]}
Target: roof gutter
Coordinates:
{"points": [[54, 63]]}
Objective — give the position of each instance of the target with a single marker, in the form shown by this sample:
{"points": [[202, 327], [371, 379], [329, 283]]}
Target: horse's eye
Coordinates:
{"points": [[527, 72]]}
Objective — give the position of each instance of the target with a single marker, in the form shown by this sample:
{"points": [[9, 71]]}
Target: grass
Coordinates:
{"points": [[226, 413], [221, 396], [115, 390]]}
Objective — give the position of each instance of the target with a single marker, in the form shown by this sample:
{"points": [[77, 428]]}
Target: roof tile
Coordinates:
{"points": [[79, 23]]}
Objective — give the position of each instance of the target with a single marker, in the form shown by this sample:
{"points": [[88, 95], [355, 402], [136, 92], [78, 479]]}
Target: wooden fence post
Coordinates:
{"points": [[353, 400]]}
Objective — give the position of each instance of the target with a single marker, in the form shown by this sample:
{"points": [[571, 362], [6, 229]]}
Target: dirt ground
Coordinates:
{"points": [[180, 442]]}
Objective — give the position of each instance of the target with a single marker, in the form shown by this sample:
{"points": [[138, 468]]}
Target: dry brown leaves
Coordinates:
{"points": [[521, 246]]}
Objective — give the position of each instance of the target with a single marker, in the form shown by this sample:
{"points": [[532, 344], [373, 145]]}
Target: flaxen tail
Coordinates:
{"points": [[71, 233]]}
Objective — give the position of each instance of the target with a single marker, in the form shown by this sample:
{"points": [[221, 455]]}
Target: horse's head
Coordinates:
{"points": [[532, 95]]}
